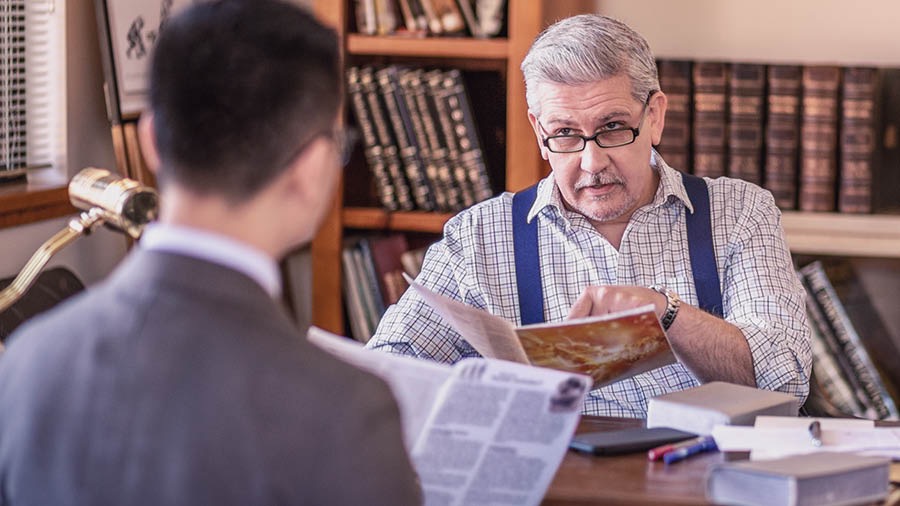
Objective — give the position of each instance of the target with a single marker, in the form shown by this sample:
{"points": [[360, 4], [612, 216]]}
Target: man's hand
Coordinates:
{"points": [[601, 300]]}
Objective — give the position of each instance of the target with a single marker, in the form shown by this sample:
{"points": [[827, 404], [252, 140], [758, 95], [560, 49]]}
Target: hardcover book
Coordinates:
{"points": [[415, 95], [456, 173], [858, 139], [836, 321], [386, 140], [404, 134], [675, 145], [474, 173], [782, 134], [710, 81], [384, 188], [818, 138], [701, 408], [801, 480], [860, 402], [746, 85]]}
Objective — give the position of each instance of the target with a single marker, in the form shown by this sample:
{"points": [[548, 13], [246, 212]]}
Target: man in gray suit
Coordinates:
{"points": [[179, 379]]}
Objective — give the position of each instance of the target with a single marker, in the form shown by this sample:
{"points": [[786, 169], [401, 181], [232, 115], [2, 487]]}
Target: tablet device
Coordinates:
{"points": [[632, 440]]}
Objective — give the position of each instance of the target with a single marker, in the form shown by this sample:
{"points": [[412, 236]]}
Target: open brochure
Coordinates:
{"points": [[607, 348], [478, 429]]}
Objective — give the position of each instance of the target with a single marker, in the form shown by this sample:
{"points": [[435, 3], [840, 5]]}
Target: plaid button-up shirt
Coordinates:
{"points": [[762, 295]]}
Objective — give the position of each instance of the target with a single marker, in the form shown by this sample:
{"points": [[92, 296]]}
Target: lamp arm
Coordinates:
{"points": [[23, 281]]}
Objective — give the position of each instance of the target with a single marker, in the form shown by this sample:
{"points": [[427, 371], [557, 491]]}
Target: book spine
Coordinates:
{"points": [[406, 141], [426, 134], [491, 15], [746, 84], [475, 173], [410, 17], [861, 404], [468, 13], [886, 194], [371, 146], [675, 145], [851, 344], [443, 141], [858, 138], [366, 22], [372, 285], [435, 27], [782, 131], [385, 16], [709, 129], [385, 139], [356, 313], [447, 11], [830, 379], [818, 138]]}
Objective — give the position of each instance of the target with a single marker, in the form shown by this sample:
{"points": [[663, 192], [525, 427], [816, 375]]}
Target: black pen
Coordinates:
{"points": [[815, 432]]}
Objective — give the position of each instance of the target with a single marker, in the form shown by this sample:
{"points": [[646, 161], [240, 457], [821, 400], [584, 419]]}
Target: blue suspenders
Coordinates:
{"points": [[700, 246]]}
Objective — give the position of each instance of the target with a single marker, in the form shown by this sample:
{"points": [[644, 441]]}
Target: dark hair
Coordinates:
{"points": [[238, 88]]}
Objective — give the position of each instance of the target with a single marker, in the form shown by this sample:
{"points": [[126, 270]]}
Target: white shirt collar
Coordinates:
{"points": [[214, 248]]}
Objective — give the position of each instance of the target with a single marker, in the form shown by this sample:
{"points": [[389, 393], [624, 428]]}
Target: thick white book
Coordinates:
{"points": [[699, 409], [801, 480]]}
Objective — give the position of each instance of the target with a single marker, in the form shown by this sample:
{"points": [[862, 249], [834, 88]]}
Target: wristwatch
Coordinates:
{"points": [[673, 302]]}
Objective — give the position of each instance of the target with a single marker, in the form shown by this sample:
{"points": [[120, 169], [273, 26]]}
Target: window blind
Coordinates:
{"points": [[32, 86]]}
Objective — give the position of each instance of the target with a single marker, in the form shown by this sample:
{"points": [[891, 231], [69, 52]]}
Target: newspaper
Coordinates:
{"points": [[607, 348], [480, 431]]}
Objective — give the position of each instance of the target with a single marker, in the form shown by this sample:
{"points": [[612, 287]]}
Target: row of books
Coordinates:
{"points": [[855, 373], [373, 278], [476, 18], [818, 137], [419, 136]]}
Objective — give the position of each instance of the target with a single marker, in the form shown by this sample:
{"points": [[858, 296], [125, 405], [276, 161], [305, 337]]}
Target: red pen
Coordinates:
{"points": [[658, 452]]}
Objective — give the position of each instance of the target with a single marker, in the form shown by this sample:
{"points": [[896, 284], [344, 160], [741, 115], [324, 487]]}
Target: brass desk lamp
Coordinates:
{"points": [[120, 203]]}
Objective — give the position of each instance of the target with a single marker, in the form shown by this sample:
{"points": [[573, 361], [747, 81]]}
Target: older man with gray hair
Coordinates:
{"points": [[614, 227]]}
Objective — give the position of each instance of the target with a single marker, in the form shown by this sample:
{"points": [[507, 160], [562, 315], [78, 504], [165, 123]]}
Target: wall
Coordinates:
{"points": [[808, 31], [88, 143]]}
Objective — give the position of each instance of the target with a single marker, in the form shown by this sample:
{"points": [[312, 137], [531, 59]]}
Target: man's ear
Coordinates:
{"points": [[147, 140], [657, 116], [537, 134]]}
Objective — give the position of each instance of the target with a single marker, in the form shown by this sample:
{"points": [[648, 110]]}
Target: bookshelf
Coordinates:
{"points": [[824, 32], [521, 167], [690, 30]]}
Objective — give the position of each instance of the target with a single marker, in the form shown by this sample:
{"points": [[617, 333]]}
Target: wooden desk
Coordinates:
{"points": [[632, 479], [627, 479]]}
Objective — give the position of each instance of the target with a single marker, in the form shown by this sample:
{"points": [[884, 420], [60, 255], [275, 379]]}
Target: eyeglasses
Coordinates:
{"points": [[614, 138]]}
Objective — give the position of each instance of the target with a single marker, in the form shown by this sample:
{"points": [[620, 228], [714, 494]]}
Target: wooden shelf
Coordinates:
{"points": [[843, 234], [379, 219], [431, 47], [21, 203]]}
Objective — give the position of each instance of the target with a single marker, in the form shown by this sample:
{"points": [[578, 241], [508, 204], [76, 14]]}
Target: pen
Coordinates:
{"points": [[658, 452], [815, 432], [705, 444]]}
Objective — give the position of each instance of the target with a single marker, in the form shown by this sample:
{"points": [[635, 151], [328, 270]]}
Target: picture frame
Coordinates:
{"points": [[128, 30]]}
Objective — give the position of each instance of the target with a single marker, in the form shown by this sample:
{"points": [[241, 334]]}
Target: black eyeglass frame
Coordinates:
{"points": [[635, 131]]}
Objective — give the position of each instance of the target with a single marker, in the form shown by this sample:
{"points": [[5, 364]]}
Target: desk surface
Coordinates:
{"points": [[632, 479], [627, 479]]}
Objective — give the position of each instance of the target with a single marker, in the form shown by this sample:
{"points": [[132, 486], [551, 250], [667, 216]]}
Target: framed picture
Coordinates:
{"points": [[128, 31]]}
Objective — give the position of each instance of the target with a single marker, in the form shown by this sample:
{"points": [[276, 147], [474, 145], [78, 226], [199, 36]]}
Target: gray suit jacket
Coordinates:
{"points": [[178, 381]]}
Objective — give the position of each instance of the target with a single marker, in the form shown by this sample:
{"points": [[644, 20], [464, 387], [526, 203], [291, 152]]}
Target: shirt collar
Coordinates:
{"points": [[214, 248], [670, 185]]}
